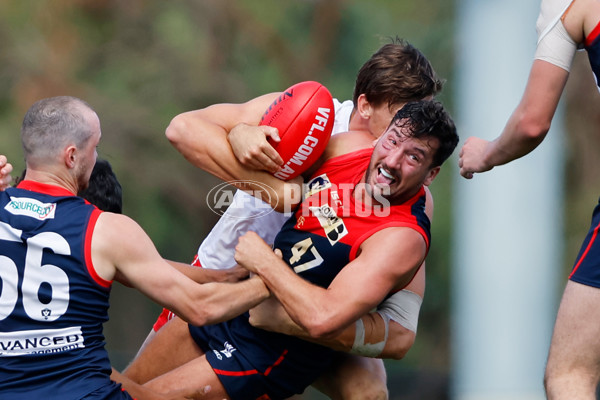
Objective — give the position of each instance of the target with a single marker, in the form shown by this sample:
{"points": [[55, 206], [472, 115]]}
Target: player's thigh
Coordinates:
{"points": [[171, 347], [193, 375], [575, 344], [354, 377]]}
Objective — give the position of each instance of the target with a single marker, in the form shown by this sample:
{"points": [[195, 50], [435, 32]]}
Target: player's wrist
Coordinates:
{"points": [[260, 286]]}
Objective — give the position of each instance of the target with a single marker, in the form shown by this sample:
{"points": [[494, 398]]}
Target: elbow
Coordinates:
{"points": [[397, 348], [532, 127], [175, 132], [204, 309], [189, 140], [321, 328], [199, 318]]}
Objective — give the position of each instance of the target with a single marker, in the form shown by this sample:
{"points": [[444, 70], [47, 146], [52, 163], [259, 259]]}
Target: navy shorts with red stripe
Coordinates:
{"points": [[109, 392], [256, 364], [587, 266]]}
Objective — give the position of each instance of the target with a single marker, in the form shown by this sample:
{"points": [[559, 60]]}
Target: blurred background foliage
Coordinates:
{"points": [[141, 62]]}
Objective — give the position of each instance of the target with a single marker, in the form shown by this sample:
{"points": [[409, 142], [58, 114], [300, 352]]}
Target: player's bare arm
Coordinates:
{"points": [[526, 128], [206, 275], [202, 139], [183, 130], [325, 312], [120, 244], [270, 315]]}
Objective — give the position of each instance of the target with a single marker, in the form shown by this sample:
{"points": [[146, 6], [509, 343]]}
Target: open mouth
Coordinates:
{"points": [[386, 175]]}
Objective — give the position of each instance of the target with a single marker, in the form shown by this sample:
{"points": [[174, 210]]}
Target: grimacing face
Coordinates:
{"points": [[400, 165]]}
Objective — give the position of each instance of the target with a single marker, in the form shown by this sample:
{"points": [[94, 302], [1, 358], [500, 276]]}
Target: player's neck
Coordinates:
{"points": [[356, 123], [51, 178]]}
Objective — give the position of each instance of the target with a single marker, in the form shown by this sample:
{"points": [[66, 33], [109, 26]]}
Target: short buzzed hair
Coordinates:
{"points": [[52, 123]]}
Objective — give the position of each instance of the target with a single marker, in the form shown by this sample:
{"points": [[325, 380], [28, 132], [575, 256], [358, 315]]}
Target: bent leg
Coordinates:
{"points": [[573, 368], [171, 347], [194, 375], [354, 377]]}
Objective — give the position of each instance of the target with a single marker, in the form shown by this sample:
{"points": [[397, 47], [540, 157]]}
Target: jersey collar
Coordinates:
{"points": [[44, 188]]}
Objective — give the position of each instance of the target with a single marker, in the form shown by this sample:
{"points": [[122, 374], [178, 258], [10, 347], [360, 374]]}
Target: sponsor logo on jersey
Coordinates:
{"points": [[317, 184], [332, 224], [40, 341], [30, 208]]}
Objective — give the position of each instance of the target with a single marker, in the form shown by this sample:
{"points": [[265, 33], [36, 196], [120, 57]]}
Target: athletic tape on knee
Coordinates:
{"points": [[403, 307], [368, 349]]}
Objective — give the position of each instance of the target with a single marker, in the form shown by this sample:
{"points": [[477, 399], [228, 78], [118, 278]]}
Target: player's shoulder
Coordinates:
{"points": [[114, 228]]}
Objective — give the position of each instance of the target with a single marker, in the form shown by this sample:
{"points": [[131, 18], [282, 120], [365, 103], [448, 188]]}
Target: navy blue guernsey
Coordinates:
{"points": [[322, 236], [592, 45], [52, 303]]}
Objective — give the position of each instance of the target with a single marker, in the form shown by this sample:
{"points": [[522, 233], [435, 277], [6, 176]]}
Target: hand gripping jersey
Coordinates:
{"points": [[321, 237], [52, 303]]}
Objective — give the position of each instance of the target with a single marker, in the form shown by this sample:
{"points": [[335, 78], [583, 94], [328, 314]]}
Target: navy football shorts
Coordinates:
{"points": [[110, 392], [254, 367], [587, 266]]}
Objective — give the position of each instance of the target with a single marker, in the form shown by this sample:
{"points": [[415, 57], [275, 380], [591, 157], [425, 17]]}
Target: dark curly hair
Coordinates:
{"points": [[104, 190], [429, 119]]}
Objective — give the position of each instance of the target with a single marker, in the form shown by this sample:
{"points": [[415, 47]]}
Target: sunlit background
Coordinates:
{"points": [[139, 63]]}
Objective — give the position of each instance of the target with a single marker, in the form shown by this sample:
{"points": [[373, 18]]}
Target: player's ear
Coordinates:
{"points": [[363, 106], [70, 156], [431, 175]]}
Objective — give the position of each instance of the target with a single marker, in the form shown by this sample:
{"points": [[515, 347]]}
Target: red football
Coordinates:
{"points": [[304, 116]]}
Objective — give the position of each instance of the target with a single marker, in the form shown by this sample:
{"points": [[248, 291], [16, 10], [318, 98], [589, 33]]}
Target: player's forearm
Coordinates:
{"points": [[219, 302], [519, 137], [307, 304], [529, 123], [396, 342], [205, 145], [205, 275]]}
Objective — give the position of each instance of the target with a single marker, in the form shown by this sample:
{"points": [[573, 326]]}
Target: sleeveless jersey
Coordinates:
{"points": [[320, 238], [52, 303], [331, 225], [592, 45]]}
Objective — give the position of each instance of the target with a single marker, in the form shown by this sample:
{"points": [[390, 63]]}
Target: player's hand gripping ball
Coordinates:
{"points": [[304, 116]]}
